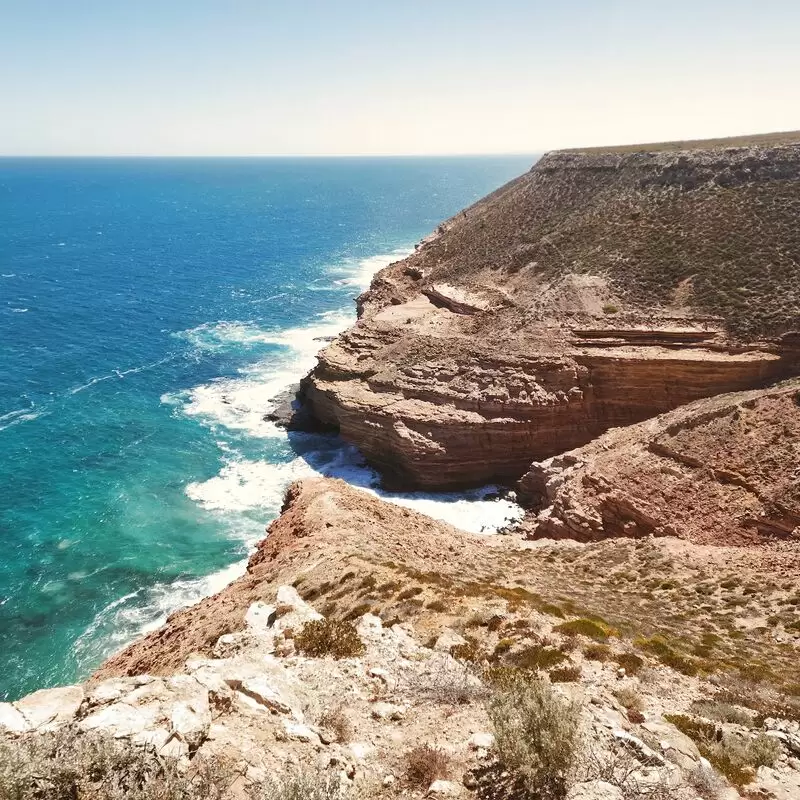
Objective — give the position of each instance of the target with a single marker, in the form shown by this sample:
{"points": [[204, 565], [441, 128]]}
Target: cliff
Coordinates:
{"points": [[598, 290], [725, 470]]}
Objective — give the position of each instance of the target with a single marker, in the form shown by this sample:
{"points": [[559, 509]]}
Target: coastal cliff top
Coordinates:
{"points": [[702, 232]]}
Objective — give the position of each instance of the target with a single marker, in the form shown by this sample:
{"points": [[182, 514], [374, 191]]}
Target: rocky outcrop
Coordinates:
{"points": [[724, 470], [598, 290], [252, 699]]}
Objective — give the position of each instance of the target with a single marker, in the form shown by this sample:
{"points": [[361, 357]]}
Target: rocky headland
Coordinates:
{"points": [[595, 291], [616, 335]]}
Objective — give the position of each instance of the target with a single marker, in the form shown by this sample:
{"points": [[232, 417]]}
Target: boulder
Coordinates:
{"points": [[49, 708], [11, 720]]}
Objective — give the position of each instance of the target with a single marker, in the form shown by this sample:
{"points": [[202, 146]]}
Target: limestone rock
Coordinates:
{"points": [[49, 708], [481, 741], [447, 640], [595, 790], [12, 720], [442, 788], [388, 711]]}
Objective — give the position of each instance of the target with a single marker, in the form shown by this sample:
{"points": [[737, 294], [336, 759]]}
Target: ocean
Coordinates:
{"points": [[151, 310]]}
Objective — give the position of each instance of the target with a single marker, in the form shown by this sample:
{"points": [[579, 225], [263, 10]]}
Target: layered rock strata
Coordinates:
{"points": [[724, 470], [597, 290]]}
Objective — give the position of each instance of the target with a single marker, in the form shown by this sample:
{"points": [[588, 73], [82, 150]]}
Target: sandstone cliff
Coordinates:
{"points": [[724, 470], [597, 290]]}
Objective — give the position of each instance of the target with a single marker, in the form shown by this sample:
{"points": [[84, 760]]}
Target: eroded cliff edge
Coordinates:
{"points": [[599, 289]]}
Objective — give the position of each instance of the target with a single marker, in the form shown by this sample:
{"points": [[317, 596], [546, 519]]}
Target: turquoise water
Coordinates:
{"points": [[150, 311]]}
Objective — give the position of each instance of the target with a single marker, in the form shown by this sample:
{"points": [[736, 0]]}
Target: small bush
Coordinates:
{"points": [[537, 657], [337, 722], [630, 699], [734, 757], [68, 764], [597, 652], [300, 784], [470, 651], [407, 594], [630, 662], [723, 712], [327, 637], [503, 646], [437, 605], [495, 622], [610, 308], [536, 736], [425, 764], [568, 674], [668, 655], [593, 629]]}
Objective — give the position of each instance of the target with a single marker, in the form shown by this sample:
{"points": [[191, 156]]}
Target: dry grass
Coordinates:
{"points": [[337, 722], [425, 764], [68, 764]]}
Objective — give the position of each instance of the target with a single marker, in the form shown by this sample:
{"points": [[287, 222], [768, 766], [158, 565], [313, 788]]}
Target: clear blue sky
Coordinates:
{"points": [[242, 77]]}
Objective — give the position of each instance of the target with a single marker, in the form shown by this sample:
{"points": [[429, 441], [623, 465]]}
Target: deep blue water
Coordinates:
{"points": [[149, 311]]}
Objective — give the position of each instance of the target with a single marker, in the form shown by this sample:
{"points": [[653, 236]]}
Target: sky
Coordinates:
{"points": [[379, 77]]}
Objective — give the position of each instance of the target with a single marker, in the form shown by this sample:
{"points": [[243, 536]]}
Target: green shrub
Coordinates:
{"points": [[630, 662], [537, 657], [300, 784], [735, 758], [597, 652], [536, 736], [327, 637], [568, 674], [593, 629]]}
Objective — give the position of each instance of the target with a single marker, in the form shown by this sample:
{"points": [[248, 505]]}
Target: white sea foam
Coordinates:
{"points": [[119, 374], [360, 273], [246, 485], [19, 310], [17, 418]]}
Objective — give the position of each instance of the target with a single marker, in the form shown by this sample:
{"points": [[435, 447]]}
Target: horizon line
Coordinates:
{"points": [[276, 155]]}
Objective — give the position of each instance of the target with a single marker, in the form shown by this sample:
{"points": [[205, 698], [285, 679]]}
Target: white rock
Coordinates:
{"points": [[442, 788], [260, 691], [447, 640], [109, 691], [361, 750], [152, 737], [49, 708], [595, 790], [259, 617], [191, 724], [639, 748], [369, 626], [381, 674], [388, 711], [296, 730], [121, 719], [481, 741], [11, 719], [175, 748]]}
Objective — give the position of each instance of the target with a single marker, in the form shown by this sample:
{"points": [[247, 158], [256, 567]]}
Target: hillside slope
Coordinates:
{"points": [[597, 290]]}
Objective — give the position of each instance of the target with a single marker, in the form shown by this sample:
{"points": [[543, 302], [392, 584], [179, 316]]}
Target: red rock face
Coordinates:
{"points": [[596, 291], [719, 471]]}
